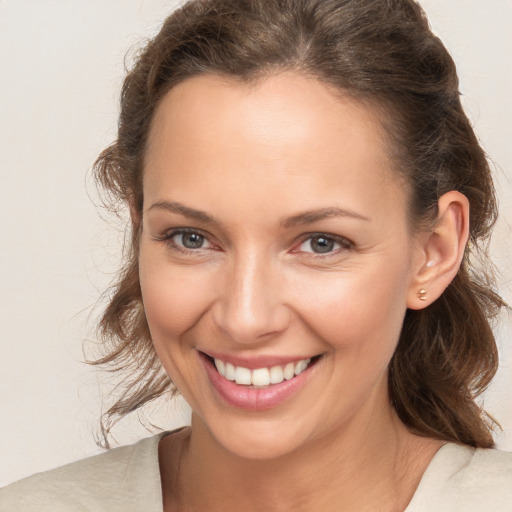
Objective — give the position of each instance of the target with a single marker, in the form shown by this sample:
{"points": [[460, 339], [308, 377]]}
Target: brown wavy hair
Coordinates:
{"points": [[383, 53]]}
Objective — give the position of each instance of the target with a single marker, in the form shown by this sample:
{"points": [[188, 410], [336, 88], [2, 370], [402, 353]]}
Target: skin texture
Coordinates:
{"points": [[251, 157]]}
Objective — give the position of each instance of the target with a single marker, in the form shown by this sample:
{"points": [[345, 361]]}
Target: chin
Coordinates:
{"points": [[260, 447], [258, 439]]}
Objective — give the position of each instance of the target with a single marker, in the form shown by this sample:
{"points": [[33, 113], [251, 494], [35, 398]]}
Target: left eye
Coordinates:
{"points": [[320, 244]]}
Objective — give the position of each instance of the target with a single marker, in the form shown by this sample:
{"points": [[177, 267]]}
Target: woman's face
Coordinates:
{"points": [[274, 238]]}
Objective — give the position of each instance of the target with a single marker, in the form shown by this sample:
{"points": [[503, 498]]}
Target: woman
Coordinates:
{"points": [[302, 183]]}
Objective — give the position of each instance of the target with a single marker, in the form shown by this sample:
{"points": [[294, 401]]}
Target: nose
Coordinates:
{"points": [[250, 308]]}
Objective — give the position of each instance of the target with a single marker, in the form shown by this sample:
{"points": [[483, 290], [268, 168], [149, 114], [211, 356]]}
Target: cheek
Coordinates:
{"points": [[174, 298], [356, 310]]}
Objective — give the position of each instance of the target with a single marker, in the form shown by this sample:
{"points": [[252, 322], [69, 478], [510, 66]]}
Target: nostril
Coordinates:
{"points": [[246, 325]]}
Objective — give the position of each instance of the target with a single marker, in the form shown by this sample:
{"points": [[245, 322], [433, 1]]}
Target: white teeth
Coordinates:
{"points": [[230, 371], [276, 375], [260, 377], [289, 371], [300, 367], [242, 375], [220, 367]]}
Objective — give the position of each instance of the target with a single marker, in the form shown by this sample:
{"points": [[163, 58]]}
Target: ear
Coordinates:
{"points": [[440, 251]]}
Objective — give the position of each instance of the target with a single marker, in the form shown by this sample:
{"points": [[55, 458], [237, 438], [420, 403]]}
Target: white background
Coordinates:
{"points": [[61, 66]]}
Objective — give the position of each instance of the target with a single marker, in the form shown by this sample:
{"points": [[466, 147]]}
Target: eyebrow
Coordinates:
{"points": [[312, 216], [191, 213], [303, 218]]}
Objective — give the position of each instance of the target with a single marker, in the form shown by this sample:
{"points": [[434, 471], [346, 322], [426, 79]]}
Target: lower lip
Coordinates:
{"points": [[250, 398]]}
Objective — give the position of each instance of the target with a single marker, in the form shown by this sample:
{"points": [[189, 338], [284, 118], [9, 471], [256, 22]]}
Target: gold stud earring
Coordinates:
{"points": [[422, 294]]}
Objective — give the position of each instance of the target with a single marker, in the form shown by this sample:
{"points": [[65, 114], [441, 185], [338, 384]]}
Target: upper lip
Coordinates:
{"points": [[255, 362]]}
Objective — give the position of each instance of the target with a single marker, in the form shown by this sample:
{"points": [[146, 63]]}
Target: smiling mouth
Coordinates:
{"points": [[261, 377]]}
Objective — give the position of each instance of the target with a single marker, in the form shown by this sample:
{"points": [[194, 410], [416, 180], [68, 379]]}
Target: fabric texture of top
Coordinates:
{"points": [[122, 479], [127, 479]]}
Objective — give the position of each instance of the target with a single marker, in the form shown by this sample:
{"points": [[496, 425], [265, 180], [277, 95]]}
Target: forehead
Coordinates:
{"points": [[275, 107], [285, 132]]}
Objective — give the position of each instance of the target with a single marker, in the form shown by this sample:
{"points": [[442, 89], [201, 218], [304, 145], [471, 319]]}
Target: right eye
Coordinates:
{"points": [[189, 240], [186, 240]]}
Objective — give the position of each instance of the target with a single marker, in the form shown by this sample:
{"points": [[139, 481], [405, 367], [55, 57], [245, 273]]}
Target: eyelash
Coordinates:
{"points": [[167, 238], [343, 242]]}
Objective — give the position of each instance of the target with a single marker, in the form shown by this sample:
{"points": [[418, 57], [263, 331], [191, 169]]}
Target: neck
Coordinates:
{"points": [[366, 465]]}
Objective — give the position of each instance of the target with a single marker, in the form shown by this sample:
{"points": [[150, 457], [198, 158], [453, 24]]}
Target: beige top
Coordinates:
{"points": [[127, 479]]}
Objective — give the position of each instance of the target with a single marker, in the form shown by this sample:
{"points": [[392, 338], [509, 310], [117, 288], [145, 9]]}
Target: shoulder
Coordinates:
{"points": [[461, 478], [126, 478]]}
